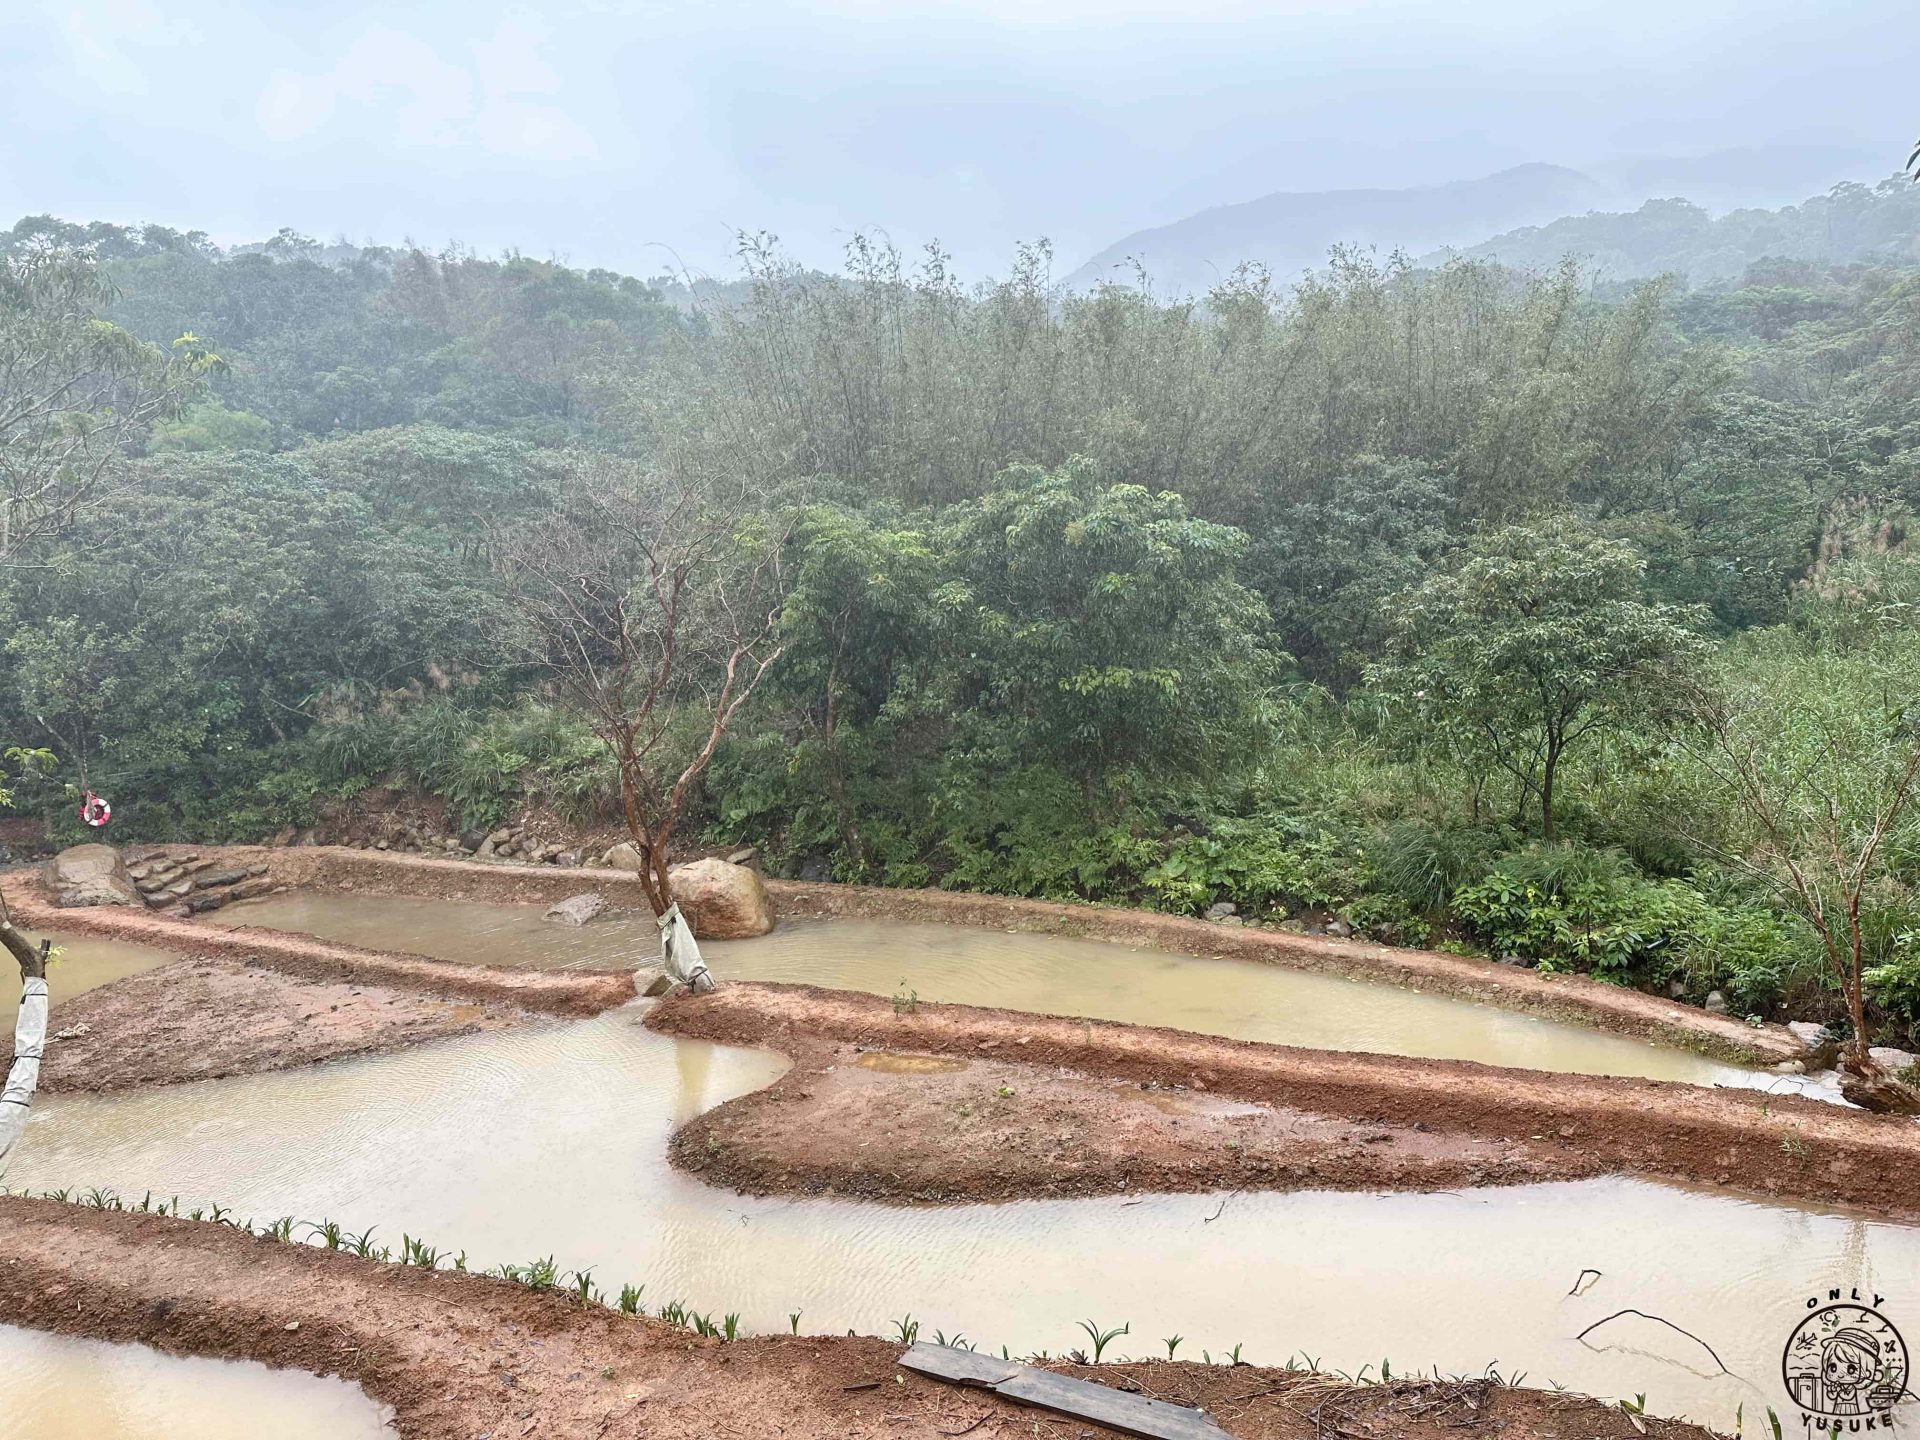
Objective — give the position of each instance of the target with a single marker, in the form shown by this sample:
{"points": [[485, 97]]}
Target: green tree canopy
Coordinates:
{"points": [[1537, 639], [1107, 626]]}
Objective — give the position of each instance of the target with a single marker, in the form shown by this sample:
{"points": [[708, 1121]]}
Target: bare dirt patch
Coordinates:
{"points": [[835, 1131], [203, 1019], [459, 1356], [894, 1126]]}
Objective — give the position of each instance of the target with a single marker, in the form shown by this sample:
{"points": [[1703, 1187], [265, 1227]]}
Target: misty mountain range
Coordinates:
{"points": [[1528, 215]]}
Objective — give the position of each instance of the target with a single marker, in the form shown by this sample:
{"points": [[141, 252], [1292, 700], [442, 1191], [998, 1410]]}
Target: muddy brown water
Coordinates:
{"points": [[79, 965], [56, 1388], [1047, 974], [551, 1140]]}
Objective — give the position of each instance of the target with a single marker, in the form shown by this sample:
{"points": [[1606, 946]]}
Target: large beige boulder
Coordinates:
{"points": [[91, 875], [721, 901]]}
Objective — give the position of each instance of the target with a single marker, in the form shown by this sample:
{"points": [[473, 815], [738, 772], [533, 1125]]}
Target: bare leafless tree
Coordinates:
{"points": [[654, 603], [1820, 780]]}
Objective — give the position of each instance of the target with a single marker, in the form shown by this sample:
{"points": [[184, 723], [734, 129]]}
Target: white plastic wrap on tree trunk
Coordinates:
{"points": [[29, 1040], [680, 956]]}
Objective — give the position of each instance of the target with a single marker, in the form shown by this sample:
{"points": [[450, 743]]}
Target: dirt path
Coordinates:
{"points": [[814, 1131], [205, 1019], [1561, 997], [459, 1356]]}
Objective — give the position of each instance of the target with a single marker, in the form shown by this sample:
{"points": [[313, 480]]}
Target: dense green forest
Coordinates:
{"points": [[1461, 606]]}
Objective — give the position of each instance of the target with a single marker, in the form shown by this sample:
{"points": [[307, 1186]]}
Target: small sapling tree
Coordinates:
{"points": [[1817, 747]]}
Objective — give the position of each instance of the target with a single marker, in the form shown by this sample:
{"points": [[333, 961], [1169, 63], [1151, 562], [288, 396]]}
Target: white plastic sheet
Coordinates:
{"points": [[29, 1042], [680, 956]]}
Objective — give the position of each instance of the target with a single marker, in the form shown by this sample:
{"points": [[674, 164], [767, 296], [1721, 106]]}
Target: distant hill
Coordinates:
{"points": [[1291, 232], [1850, 223]]}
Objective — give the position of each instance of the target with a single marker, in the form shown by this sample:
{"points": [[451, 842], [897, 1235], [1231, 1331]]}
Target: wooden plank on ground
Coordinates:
{"points": [[962, 1367], [1082, 1399]]}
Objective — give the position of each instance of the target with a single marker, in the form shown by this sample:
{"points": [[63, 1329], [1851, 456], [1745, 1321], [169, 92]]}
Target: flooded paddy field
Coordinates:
{"points": [[80, 964], [551, 1140], [1046, 974], [54, 1387]]}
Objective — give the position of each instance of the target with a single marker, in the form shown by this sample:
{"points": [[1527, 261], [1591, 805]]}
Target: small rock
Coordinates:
{"points": [[1221, 909], [593, 862], [291, 1325], [1891, 1060], [624, 856], [1677, 988], [199, 904], [1791, 1067], [659, 985], [577, 909], [501, 836], [568, 858], [283, 837], [1816, 1040], [1511, 959], [486, 847], [1716, 1003], [1340, 928], [216, 878], [471, 840]]}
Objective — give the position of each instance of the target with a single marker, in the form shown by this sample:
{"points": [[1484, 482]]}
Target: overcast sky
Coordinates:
{"points": [[642, 136]]}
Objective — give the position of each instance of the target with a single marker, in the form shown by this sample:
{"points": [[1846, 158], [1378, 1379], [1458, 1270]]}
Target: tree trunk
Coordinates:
{"points": [[1871, 1088], [1546, 793], [655, 881]]}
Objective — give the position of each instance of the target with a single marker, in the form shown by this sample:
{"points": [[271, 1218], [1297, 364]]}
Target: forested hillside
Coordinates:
{"points": [[1463, 606], [1851, 224]]}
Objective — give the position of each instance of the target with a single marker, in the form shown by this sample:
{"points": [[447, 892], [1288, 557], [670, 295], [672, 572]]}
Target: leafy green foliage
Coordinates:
{"points": [[1538, 639], [1323, 602]]}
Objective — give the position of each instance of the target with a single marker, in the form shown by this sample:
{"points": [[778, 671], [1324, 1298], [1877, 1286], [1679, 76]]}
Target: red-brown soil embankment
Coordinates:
{"points": [[459, 1356], [892, 1126], [1562, 997], [822, 1135]]}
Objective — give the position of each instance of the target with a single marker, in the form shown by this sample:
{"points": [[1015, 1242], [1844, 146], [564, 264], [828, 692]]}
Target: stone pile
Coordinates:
{"points": [[514, 843], [187, 884]]}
